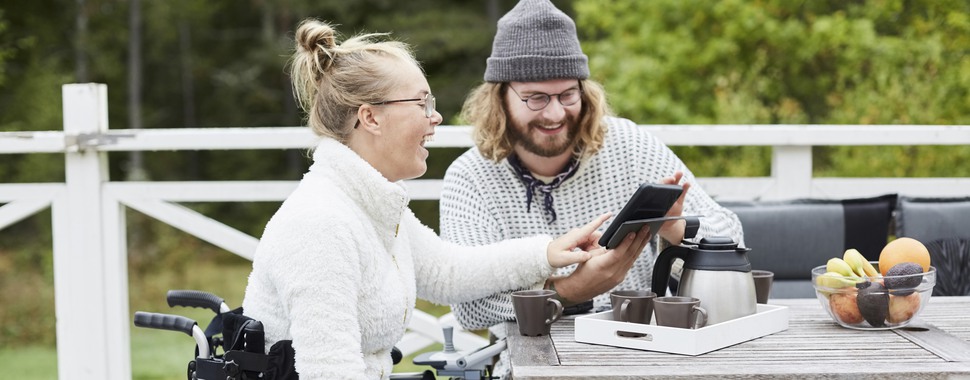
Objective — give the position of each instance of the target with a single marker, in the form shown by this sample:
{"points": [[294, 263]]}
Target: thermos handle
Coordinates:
{"points": [[661, 268], [693, 224]]}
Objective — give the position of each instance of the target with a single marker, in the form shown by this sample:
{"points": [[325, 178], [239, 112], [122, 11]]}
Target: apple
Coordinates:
{"points": [[902, 308], [844, 307]]}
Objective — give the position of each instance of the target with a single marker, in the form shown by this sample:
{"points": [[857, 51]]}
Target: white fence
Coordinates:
{"points": [[90, 256]]}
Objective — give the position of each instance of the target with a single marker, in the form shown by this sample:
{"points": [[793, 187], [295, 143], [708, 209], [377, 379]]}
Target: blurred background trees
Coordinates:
{"points": [[221, 63], [788, 62]]}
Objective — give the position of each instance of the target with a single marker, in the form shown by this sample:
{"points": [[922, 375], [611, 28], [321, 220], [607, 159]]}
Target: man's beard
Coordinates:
{"points": [[545, 146]]}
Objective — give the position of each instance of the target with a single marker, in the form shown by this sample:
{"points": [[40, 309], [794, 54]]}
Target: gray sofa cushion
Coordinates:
{"points": [[792, 237], [943, 225], [930, 219], [951, 257]]}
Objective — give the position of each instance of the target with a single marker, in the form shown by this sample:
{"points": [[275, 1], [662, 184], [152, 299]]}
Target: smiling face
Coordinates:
{"points": [[548, 132], [403, 127]]}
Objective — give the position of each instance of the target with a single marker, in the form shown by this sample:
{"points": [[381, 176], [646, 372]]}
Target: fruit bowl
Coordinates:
{"points": [[873, 303]]}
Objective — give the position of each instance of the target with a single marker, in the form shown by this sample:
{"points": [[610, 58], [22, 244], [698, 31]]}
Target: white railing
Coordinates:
{"points": [[90, 256]]}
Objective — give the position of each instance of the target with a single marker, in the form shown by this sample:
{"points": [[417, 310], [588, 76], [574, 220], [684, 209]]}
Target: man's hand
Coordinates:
{"points": [[604, 270]]}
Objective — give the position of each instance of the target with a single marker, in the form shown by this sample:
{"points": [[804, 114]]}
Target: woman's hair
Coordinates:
{"points": [[331, 81], [485, 110]]}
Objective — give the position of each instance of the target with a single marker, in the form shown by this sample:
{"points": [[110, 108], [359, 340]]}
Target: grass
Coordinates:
{"points": [[164, 355], [29, 363]]}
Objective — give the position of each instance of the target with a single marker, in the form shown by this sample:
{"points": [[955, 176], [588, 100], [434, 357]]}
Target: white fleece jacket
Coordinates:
{"points": [[341, 262]]}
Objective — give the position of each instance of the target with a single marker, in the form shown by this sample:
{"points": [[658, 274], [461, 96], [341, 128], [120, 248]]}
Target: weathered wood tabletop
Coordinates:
{"points": [[935, 346]]}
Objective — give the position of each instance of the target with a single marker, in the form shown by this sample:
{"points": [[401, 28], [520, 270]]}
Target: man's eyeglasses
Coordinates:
{"points": [[539, 100], [429, 105]]}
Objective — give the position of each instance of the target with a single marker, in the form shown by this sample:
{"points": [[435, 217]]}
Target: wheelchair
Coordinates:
{"points": [[242, 357]]}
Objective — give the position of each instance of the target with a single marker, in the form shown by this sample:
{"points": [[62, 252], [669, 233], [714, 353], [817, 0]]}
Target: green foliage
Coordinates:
{"points": [[822, 62], [30, 98], [6, 50], [27, 296], [785, 62], [31, 101]]}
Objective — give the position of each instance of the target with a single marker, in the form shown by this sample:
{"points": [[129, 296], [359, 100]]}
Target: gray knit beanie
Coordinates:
{"points": [[535, 42]]}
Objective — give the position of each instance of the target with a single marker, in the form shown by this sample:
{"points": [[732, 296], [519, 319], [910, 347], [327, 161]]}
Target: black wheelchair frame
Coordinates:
{"points": [[242, 342]]}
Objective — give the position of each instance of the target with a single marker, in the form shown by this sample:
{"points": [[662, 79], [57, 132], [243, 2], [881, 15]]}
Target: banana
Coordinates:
{"points": [[859, 264], [834, 280], [840, 267], [871, 271], [855, 260]]}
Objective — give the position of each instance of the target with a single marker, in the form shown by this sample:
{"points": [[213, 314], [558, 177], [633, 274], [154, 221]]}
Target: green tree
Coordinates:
{"points": [[218, 63], [784, 62]]}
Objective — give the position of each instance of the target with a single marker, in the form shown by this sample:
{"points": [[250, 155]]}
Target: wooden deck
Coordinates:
{"points": [[936, 346]]}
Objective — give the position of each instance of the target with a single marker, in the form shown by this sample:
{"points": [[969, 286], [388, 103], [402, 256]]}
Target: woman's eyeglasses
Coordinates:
{"points": [[427, 99], [429, 104]]}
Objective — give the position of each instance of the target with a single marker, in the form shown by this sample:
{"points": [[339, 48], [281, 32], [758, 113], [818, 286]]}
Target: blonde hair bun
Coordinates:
{"points": [[331, 80], [317, 39]]}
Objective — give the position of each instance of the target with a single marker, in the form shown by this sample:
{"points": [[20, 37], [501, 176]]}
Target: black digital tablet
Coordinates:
{"points": [[648, 205]]}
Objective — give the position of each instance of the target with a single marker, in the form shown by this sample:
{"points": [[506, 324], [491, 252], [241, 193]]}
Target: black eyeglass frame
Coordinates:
{"points": [[429, 105], [547, 97]]}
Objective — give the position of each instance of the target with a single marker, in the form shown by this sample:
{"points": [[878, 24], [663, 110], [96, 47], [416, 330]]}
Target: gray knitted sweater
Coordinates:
{"points": [[484, 202]]}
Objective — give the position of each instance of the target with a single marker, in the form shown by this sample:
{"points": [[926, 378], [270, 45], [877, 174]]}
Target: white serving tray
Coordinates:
{"points": [[600, 328]]}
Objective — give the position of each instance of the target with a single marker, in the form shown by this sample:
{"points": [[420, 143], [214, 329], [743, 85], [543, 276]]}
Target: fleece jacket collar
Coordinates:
{"points": [[382, 200]]}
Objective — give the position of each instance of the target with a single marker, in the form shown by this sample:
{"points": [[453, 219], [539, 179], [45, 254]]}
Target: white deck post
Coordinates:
{"points": [[791, 169], [90, 287]]}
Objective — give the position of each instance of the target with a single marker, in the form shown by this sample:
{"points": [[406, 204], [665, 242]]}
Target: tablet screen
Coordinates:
{"points": [[648, 205]]}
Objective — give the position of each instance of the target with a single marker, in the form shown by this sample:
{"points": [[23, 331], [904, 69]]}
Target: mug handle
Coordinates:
{"points": [[624, 307], [700, 318], [557, 313]]}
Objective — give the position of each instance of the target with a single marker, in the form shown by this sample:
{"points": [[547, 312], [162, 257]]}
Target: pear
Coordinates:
{"points": [[859, 264]]}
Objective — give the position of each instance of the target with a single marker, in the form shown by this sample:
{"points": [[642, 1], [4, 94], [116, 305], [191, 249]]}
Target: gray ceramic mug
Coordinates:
{"points": [[762, 284], [682, 312], [634, 306], [535, 311]]}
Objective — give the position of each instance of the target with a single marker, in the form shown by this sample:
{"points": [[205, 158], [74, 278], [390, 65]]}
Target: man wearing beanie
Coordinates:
{"points": [[549, 157]]}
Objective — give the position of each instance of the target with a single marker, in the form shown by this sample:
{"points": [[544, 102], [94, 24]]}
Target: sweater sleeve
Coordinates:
{"points": [[715, 220], [467, 221], [318, 282], [465, 215], [448, 273]]}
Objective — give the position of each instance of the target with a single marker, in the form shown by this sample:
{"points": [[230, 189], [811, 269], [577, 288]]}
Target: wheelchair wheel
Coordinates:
{"points": [[190, 371]]}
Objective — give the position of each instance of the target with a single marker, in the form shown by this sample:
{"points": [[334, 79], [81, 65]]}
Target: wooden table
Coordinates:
{"points": [[935, 346]]}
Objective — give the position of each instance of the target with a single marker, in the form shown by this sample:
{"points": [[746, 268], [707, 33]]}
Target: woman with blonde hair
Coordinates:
{"points": [[340, 264]]}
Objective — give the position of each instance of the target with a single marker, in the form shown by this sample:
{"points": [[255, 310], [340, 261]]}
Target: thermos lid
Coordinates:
{"points": [[717, 243], [718, 253]]}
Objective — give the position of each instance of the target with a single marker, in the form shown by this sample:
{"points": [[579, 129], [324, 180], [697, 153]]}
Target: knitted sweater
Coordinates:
{"points": [[483, 202], [339, 266]]}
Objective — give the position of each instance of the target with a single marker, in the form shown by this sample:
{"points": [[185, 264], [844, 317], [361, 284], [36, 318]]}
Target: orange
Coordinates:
{"points": [[904, 250]]}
